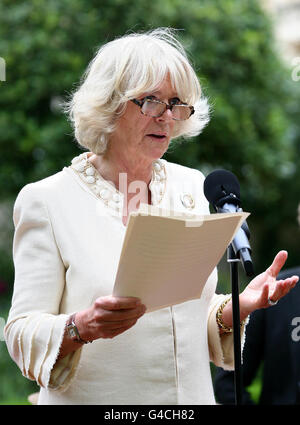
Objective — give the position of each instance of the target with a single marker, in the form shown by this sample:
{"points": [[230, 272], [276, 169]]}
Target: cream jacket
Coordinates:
{"points": [[68, 239]]}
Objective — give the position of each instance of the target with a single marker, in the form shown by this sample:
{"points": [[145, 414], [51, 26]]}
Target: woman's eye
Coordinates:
{"points": [[175, 101]]}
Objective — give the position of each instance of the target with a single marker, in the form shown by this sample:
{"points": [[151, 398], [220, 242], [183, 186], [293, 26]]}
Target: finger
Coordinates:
{"points": [[111, 326], [117, 303], [295, 280], [264, 295], [288, 284], [278, 263], [283, 287], [115, 332], [278, 291], [121, 315]]}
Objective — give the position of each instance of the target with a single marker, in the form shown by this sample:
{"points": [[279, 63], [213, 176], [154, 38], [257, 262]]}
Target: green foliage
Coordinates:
{"points": [[256, 386], [254, 128], [14, 388], [253, 131]]}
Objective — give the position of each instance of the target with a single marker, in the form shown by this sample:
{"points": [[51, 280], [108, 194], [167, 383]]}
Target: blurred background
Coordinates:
{"points": [[247, 56]]}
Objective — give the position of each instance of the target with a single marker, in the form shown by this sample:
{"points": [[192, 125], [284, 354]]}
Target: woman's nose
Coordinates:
{"points": [[166, 116]]}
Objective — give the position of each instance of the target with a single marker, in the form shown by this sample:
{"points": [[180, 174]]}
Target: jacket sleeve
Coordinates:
{"points": [[35, 328], [221, 346], [252, 355]]}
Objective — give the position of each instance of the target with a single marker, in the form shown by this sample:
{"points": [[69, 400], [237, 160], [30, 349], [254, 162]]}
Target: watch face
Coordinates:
{"points": [[72, 332]]}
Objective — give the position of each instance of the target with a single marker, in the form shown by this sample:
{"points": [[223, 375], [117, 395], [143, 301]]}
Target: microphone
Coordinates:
{"points": [[222, 190]]}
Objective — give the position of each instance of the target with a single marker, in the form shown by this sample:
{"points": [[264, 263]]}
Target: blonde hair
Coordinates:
{"points": [[124, 69]]}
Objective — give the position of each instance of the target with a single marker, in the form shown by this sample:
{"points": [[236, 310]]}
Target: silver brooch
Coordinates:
{"points": [[187, 201]]}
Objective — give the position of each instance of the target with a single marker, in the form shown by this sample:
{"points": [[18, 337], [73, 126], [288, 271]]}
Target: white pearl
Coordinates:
{"points": [[90, 171], [104, 193], [157, 166], [116, 197], [80, 167], [113, 205], [90, 179]]}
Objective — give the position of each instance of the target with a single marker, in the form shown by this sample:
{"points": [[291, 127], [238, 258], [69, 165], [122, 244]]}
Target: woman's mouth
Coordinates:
{"points": [[157, 136]]}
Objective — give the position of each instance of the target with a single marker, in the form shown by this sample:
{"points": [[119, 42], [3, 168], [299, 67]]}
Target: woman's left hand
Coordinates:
{"points": [[265, 287]]}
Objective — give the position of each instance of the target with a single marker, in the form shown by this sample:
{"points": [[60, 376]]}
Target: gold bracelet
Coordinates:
{"points": [[219, 319]]}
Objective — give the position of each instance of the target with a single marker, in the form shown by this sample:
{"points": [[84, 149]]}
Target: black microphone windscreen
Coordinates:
{"points": [[220, 184]]}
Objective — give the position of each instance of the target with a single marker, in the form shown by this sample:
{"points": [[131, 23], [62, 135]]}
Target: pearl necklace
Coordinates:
{"points": [[107, 192]]}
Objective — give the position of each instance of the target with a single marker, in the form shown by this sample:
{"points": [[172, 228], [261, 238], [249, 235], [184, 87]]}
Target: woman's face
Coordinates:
{"points": [[142, 137]]}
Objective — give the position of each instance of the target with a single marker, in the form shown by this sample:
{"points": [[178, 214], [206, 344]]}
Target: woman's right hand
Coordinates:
{"points": [[108, 317]]}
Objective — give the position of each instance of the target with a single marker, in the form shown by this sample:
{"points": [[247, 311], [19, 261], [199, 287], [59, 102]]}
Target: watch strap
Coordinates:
{"points": [[73, 331]]}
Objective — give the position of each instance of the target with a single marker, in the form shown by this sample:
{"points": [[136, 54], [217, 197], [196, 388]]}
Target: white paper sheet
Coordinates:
{"points": [[167, 257]]}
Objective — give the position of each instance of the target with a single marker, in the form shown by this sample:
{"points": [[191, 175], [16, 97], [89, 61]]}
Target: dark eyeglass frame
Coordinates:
{"points": [[141, 102]]}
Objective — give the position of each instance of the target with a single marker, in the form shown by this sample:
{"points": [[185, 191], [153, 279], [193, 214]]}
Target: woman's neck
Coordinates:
{"points": [[117, 170], [131, 178]]}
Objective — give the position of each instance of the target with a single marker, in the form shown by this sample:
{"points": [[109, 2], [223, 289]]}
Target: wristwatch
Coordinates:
{"points": [[73, 331]]}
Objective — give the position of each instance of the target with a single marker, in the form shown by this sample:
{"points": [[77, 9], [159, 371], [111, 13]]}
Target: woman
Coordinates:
{"points": [[138, 93]]}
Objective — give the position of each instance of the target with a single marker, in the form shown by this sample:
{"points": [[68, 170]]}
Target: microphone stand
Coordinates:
{"points": [[233, 260], [238, 251]]}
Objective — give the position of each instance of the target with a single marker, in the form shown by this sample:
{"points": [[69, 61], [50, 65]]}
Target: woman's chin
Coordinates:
{"points": [[157, 148]]}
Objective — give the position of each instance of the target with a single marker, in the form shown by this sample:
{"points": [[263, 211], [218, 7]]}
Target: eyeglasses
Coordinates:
{"points": [[156, 108]]}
